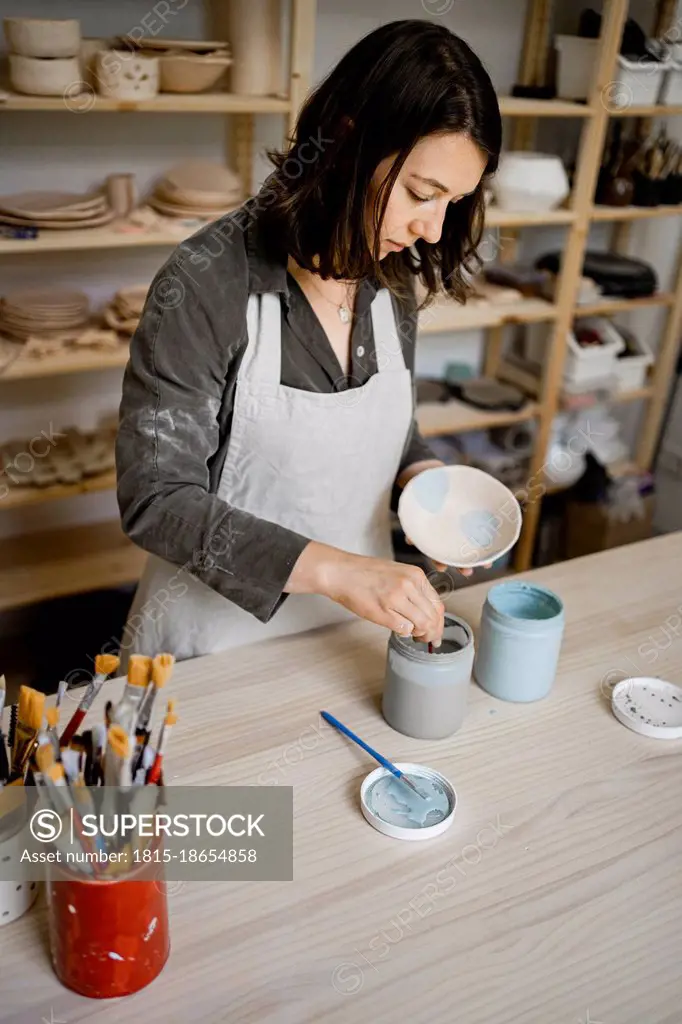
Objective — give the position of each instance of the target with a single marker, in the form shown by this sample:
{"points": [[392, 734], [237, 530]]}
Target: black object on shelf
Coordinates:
{"points": [[634, 43], [535, 92], [616, 275]]}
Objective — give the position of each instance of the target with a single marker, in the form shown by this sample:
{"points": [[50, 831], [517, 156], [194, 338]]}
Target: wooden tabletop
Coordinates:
{"points": [[555, 897]]}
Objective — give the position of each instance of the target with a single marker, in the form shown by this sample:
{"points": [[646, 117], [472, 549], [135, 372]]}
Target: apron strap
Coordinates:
{"points": [[262, 360], [387, 344]]}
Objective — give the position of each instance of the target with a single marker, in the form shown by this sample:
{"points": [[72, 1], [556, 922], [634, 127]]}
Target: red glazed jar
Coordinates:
{"points": [[109, 937]]}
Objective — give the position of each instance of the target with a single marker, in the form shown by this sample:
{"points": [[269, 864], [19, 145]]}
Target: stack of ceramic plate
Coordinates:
{"points": [[124, 311], [197, 189], [59, 210], [42, 314]]}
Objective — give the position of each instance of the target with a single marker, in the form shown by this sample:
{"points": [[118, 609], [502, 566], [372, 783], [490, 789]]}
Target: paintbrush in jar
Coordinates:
{"points": [[154, 773], [162, 670], [29, 721], [126, 711], [105, 665]]}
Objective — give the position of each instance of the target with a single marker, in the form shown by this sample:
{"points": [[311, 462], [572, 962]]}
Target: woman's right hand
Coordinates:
{"points": [[391, 594]]}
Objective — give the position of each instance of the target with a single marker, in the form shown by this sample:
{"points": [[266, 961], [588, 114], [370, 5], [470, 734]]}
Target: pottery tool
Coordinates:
{"points": [[105, 665], [29, 721], [52, 716], [126, 711], [169, 721], [377, 757]]}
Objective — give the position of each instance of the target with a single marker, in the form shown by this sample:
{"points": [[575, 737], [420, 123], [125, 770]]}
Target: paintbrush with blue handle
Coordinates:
{"points": [[377, 757]]}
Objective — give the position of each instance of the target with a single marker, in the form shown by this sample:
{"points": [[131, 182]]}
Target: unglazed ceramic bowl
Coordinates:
{"points": [[36, 76], [38, 37], [459, 515], [530, 181]]}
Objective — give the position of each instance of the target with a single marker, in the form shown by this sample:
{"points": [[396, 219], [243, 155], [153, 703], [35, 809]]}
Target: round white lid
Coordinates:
{"points": [[650, 706], [423, 778]]}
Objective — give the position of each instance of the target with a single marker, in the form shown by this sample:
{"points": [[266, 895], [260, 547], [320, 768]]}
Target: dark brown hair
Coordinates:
{"points": [[402, 82]]}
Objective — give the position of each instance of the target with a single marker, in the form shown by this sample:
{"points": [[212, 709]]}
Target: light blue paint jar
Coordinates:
{"points": [[522, 626]]}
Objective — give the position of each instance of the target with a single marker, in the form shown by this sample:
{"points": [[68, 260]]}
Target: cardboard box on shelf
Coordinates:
{"points": [[589, 528]]}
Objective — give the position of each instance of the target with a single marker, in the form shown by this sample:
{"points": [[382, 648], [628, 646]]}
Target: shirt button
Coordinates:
{"points": [[360, 351]]}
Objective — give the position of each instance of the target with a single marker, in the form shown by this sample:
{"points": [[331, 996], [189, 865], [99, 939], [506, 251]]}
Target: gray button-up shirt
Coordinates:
{"points": [[178, 397]]}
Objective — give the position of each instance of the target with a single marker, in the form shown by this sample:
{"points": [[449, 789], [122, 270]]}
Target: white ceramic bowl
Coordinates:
{"points": [[122, 75], [36, 37], [36, 76], [530, 181], [459, 515]]}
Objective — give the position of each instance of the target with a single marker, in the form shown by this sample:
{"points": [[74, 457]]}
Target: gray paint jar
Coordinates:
{"points": [[522, 626], [425, 695]]}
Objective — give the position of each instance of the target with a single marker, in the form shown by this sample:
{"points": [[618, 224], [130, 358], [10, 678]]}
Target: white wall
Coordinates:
{"points": [[73, 151]]}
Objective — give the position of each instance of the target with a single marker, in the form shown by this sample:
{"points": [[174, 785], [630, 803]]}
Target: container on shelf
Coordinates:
{"points": [[38, 37], [632, 366], [671, 90], [635, 82], [191, 72], [36, 76], [586, 364], [254, 34], [122, 75], [530, 181]]}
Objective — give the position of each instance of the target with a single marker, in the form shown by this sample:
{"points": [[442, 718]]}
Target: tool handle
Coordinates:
{"points": [[361, 743], [72, 727]]}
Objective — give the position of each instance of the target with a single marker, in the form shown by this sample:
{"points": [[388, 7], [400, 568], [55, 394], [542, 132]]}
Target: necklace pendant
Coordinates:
{"points": [[344, 314]]}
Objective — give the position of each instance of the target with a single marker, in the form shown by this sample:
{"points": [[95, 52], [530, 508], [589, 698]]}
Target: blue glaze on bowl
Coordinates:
{"points": [[480, 527], [431, 489]]}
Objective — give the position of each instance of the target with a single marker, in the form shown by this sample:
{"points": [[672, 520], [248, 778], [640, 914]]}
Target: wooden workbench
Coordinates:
{"points": [[555, 897]]}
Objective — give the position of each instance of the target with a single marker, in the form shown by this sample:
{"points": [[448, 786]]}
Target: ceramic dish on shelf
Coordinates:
{"points": [[190, 45], [125, 75], [459, 515], [191, 72], [193, 198], [36, 76], [51, 204], [203, 176], [200, 212], [60, 225], [38, 37], [530, 181]]}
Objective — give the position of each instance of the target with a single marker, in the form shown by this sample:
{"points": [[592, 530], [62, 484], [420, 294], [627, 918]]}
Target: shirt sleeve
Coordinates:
{"points": [[416, 448], [169, 431]]}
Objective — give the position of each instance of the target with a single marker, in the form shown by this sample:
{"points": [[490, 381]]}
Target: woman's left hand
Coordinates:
{"points": [[441, 567]]}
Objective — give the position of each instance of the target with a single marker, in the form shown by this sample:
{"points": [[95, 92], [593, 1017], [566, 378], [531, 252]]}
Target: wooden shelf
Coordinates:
{"points": [[609, 213], [445, 315], [164, 103], [638, 110], [526, 218], [635, 395], [89, 238], [516, 106], [78, 361], [457, 417], [20, 497], [40, 566], [610, 305]]}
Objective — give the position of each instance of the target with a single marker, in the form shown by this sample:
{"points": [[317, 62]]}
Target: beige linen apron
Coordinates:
{"points": [[321, 464]]}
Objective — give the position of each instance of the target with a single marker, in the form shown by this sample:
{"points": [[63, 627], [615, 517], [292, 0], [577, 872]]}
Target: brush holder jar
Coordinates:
{"points": [[18, 895], [519, 641], [109, 937], [425, 695]]}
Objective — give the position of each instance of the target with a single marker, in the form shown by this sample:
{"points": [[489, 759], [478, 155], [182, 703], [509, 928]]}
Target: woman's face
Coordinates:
{"points": [[441, 169]]}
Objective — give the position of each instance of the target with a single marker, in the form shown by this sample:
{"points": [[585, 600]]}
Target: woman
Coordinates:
{"points": [[267, 410]]}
